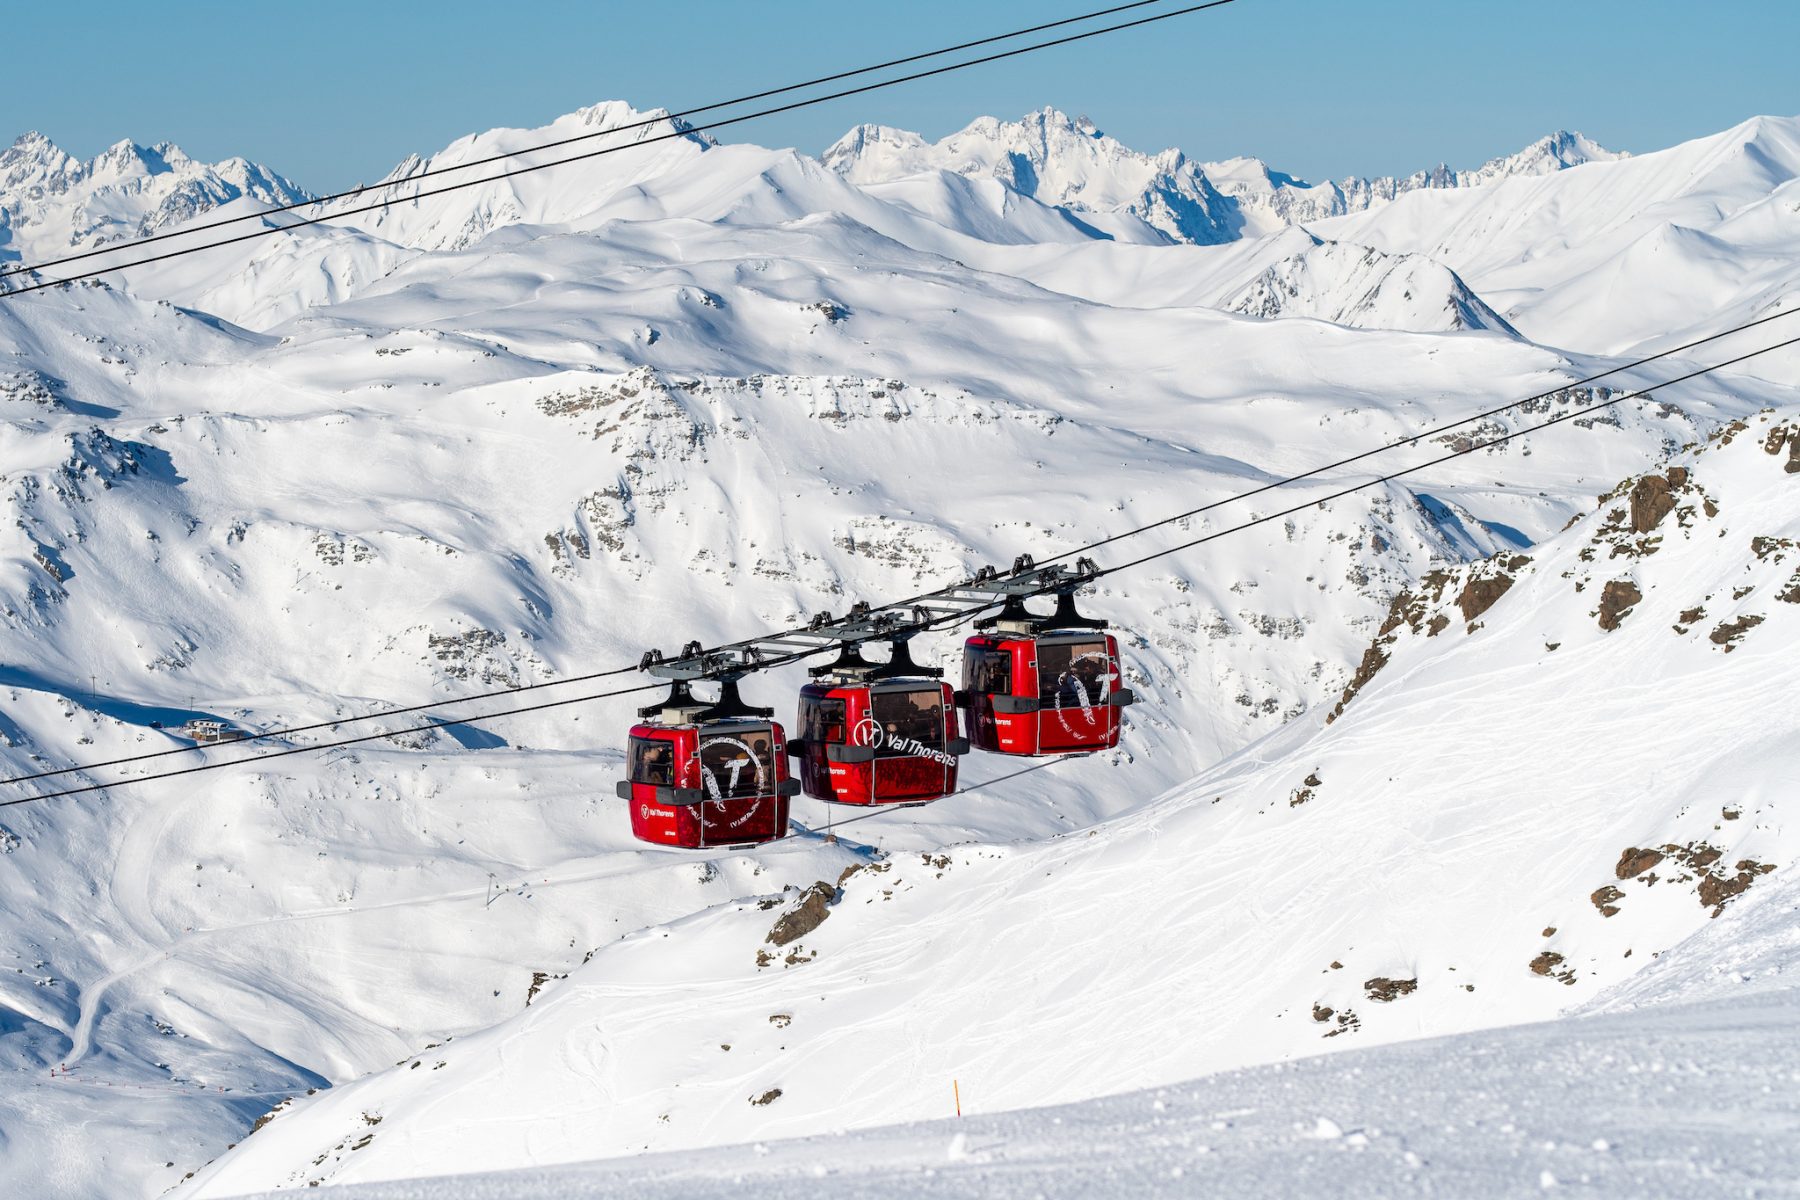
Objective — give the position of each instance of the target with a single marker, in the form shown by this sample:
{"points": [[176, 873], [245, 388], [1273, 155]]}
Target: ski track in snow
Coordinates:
{"points": [[1677, 1102]]}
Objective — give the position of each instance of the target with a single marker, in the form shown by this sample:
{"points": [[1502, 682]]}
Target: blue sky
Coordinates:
{"points": [[333, 92]]}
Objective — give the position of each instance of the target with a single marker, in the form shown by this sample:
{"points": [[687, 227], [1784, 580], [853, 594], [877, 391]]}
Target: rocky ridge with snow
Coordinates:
{"points": [[52, 204], [1070, 163]]}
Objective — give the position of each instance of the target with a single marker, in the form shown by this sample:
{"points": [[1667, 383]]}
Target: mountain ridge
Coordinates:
{"points": [[1070, 162], [52, 203]]}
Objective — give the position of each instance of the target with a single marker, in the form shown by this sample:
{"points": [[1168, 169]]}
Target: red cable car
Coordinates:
{"points": [[706, 775], [1038, 685], [877, 733]]}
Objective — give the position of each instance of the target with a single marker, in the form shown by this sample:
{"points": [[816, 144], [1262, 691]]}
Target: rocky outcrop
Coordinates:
{"points": [[1653, 498], [1785, 435], [1423, 610], [1617, 599], [805, 916], [1383, 990]]}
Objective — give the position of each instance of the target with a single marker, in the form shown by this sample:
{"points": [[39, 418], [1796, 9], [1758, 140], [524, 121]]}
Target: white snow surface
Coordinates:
{"points": [[1673, 1101], [516, 434]]}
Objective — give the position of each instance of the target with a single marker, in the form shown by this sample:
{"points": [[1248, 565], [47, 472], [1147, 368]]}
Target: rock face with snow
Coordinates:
{"points": [[51, 203], [1070, 163], [1357, 286], [1050, 157]]}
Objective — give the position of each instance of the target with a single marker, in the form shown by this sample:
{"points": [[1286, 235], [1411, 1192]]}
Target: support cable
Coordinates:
{"points": [[649, 141], [1435, 431], [1443, 458], [950, 619], [363, 190]]}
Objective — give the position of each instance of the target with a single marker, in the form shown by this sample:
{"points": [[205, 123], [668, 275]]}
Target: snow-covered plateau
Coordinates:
{"points": [[1445, 850]]}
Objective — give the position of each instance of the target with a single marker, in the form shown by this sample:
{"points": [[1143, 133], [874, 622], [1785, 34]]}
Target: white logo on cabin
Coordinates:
{"points": [[869, 733], [736, 767], [1072, 690]]}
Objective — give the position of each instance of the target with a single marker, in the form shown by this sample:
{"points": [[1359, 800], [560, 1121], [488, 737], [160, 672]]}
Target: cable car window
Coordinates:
{"points": [[739, 765], [652, 761], [907, 723], [831, 721], [821, 720], [1073, 674], [988, 671]]}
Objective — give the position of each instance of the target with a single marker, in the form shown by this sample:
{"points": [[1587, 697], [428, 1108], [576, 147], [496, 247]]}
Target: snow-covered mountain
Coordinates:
{"points": [[552, 197], [1619, 255], [1070, 163], [1270, 199], [1061, 161], [53, 204], [521, 432]]}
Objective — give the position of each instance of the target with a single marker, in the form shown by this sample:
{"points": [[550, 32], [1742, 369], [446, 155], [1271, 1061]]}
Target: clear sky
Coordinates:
{"points": [[331, 92]]}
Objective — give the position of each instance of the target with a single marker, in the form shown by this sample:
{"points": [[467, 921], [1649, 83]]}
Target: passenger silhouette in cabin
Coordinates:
{"points": [[761, 759], [657, 764]]}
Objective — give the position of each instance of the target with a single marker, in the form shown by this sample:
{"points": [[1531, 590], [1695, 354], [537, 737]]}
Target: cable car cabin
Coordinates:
{"points": [[878, 740], [1043, 685], [699, 777]]}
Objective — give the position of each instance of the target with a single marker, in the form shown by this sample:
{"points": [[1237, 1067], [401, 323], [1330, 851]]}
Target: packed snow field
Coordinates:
{"points": [[1465, 750]]}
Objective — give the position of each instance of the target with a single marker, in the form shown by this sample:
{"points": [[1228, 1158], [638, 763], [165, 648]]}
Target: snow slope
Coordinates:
{"points": [[1685, 1087], [1289, 274], [1668, 1102], [460, 219], [1433, 861]]}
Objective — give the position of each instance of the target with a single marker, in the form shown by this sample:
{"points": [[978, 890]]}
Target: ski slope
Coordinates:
{"points": [[1671, 1101]]}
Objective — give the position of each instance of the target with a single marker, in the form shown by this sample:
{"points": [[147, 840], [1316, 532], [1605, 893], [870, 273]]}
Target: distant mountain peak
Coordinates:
{"points": [[51, 202], [1071, 163], [1054, 158]]}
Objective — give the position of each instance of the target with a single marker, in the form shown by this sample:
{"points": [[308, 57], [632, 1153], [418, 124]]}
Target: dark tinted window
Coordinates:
{"points": [[907, 723], [987, 671], [652, 761], [1073, 673], [821, 720], [738, 764]]}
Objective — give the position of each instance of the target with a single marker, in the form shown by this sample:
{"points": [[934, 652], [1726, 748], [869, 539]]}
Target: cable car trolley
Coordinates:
{"points": [[705, 775], [873, 733], [1042, 684], [877, 733]]}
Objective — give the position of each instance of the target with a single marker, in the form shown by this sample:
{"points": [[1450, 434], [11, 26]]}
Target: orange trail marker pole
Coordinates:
{"points": [[956, 1090]]}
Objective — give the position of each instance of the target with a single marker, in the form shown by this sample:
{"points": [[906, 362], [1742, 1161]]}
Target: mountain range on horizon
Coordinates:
{"points": [[52, 202]]}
